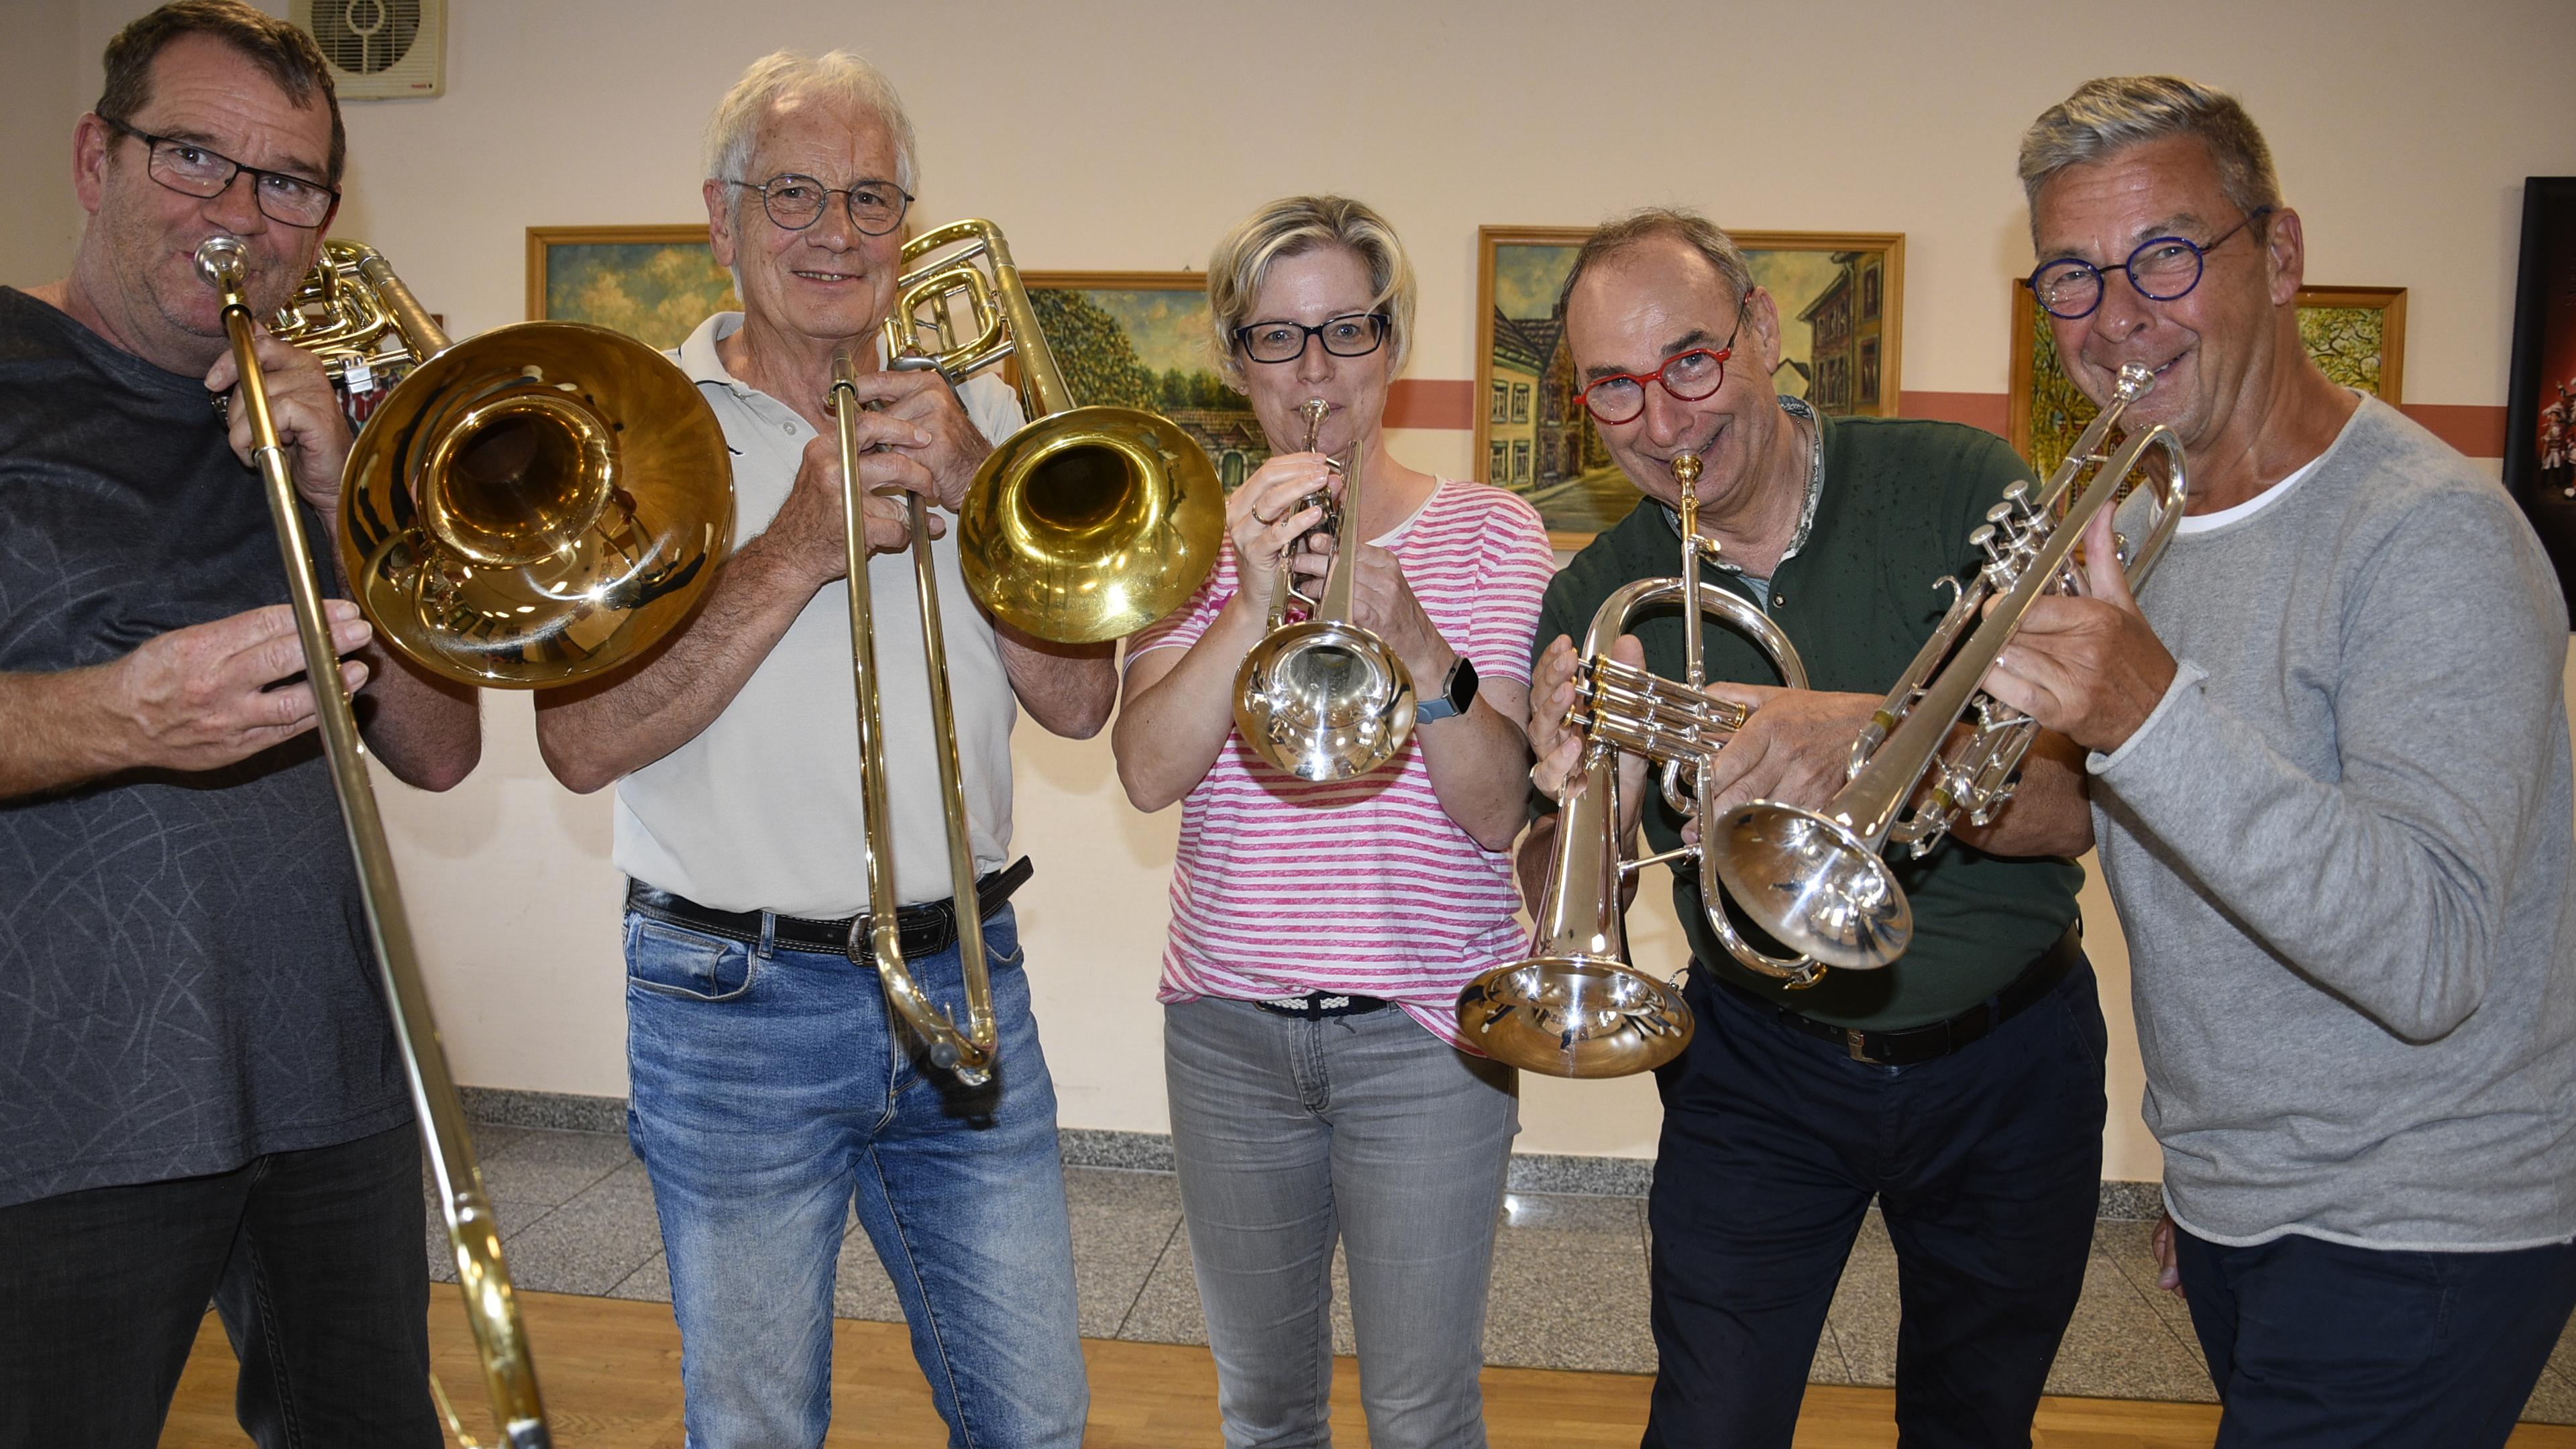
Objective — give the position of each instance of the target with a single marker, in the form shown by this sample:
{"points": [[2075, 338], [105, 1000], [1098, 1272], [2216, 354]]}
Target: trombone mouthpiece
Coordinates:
{"points": [[220, 260]]}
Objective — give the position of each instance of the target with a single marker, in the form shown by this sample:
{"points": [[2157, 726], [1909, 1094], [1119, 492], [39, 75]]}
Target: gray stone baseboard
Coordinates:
{"points": [[1536, 1172]]}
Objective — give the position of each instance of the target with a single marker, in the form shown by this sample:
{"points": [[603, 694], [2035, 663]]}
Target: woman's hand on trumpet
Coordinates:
{"points": [[1264, 518], [1382, 602]]}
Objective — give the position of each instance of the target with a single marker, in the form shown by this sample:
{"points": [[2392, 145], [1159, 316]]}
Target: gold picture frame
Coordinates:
{"points": [[1532, 438], [653, 283], [2358, 334], [1140, 339]]}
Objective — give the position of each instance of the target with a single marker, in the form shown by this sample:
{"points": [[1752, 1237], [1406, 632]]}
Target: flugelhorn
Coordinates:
{"points": [[1577, 1007], [1325, 698], [473, 1234], [1815, 878], [1090, 522]]}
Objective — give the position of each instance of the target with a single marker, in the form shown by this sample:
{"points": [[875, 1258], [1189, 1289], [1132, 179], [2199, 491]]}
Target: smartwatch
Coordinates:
{"points": [[1457, 694]]}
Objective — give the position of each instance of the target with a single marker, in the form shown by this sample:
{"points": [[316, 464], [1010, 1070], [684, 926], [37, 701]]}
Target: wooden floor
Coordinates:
{"points": [[612, 1379]]}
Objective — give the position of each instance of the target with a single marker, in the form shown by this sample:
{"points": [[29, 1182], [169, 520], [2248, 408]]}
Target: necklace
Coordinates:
{"points": [[1805, 412]]}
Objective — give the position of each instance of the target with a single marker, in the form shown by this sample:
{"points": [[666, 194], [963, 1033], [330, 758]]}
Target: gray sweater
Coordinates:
{"points": [[2341, 849]]}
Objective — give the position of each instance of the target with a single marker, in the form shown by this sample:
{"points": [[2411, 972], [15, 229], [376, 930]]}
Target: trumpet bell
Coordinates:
{"points": [[1324, 700], [1090, 524], [535, 504], [1575, 1016], [1813, 883]]}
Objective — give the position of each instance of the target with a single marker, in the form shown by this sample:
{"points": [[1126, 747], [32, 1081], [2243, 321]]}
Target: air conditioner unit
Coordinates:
{"points": [[379, 49]]}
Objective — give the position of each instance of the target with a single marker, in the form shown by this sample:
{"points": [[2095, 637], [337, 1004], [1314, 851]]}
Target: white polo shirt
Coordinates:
{"points": [[762, 810]]}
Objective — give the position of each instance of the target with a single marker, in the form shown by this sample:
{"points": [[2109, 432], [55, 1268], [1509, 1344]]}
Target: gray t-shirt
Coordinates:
{"points": [[2341, 850], [183, 979]]}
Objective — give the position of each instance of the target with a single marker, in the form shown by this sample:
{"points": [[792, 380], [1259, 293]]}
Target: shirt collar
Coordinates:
{"points": [[1797, 408], [699, 359]]}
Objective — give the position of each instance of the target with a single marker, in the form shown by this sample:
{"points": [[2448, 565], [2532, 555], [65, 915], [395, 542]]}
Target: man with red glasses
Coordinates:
{"points": [[2332, 783], [1961, 1087]]}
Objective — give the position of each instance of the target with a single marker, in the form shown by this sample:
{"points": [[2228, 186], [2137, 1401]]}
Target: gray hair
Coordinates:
{"points": [[838, 75], [2107, 116], [1648, 223], [1293, 226]]}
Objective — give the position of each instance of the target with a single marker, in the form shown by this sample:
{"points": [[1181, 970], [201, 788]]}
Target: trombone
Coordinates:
{"points": [[1815, 878], [1577, 1007], [1085, 525], [1324, 698], [524, 508]]}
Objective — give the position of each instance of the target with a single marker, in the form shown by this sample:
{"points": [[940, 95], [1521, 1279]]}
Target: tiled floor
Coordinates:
{"points": [[1569, 1285]]}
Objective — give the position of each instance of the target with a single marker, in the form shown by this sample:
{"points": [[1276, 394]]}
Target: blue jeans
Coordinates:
{"points": [[1987, 1164], [2318, 1343], [1291, 1133], [768, 1091]]}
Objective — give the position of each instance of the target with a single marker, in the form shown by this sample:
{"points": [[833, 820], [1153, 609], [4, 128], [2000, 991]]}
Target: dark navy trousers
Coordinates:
{"points": [[1987, 1164], [2318, 1343]]}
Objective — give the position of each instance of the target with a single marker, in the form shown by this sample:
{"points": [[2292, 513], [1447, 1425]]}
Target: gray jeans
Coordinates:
{"points": [[1292, 1133]]}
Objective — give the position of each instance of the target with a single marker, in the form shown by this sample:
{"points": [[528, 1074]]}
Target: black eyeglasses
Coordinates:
{"points": [[796, 202], [1353, 334], [193, 170], [1689, 376], [2163, 269]]}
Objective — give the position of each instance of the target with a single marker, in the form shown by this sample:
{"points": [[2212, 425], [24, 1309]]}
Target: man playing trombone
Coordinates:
{"points": [[2332, 786], [205, 1098], [1961, 1087], [770, 1085]]}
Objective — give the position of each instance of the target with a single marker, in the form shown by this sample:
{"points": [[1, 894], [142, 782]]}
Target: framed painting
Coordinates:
{"points": [[1140, 340], [2540, 405], [2357, 334], [653, 283], [1841, 302]]}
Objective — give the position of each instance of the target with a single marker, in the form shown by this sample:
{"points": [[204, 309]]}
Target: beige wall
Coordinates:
{"points": [[1127, 135]]}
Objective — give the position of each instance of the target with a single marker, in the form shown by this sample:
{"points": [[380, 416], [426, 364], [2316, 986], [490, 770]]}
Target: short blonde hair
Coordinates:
{"points": [[774, 77], [1293, 226]]}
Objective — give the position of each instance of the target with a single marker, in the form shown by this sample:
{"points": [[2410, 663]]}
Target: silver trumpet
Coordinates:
{"points": [[1577, 1007], [1815, 878], [1324, 698]]}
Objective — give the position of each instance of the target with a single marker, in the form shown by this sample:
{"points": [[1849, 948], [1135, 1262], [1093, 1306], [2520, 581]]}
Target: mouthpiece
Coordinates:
{"points": [[220, 262], [1685, 468]]}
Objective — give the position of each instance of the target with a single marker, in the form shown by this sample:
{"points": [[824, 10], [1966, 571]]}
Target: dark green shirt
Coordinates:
{"points": [[1899, 500]]}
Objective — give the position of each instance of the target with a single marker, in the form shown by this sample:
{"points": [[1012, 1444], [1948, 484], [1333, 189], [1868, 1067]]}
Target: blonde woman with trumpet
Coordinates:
{"points": [[1321, 930]]}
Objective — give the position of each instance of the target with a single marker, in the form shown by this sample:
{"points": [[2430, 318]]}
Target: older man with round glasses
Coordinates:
{"points": [[1962, 1087], [2333, 791], [204, 1097], [772, 1088]]}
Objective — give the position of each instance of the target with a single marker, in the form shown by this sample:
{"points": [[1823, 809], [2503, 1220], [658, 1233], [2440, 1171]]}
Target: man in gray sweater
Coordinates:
{"points": [[2331, 791]]}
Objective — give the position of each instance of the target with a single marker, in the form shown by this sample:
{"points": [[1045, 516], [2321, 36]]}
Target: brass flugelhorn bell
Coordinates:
{"points": [[1088, 523], [1577, 1006], [1325, 698]]}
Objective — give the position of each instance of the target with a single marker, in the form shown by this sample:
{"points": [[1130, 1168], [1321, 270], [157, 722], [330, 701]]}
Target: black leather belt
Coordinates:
{"points": [[926, 929], [1315, 1005], [1937, 1039]]}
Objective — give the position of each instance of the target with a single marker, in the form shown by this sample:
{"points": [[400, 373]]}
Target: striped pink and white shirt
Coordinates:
{"points": [[1282, 886]]}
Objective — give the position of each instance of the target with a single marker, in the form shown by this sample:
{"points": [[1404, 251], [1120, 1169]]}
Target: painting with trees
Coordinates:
{"points": [[1140, 340], [2356, 334]]}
